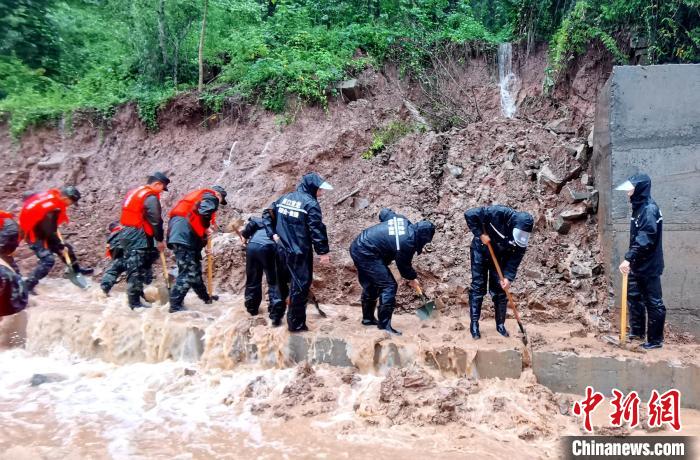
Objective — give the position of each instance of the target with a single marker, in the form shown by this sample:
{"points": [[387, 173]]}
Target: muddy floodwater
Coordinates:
{"points": [[96, 380]]}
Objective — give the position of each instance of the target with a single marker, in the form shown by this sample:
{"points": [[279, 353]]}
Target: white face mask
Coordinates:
{"points": [[626, 186], [521, 237]]}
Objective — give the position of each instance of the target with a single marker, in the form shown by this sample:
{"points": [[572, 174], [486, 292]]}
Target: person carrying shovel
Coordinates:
{"points": [[395, 238], [295, 223], [39, 219], [508, 231], [189, 229], [116, 254], [142, 234], [644, 264]]}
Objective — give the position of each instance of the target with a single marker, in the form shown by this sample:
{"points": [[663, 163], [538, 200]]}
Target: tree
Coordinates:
{"points": [[200, 85]]}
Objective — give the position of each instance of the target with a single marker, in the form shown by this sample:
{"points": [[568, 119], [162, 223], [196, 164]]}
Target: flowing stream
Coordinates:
{"points": [[507, 80]]}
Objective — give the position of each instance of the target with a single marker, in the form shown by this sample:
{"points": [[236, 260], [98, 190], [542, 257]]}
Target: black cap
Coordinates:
{"points": [[159, 177], [222, 192], [71, 192]]}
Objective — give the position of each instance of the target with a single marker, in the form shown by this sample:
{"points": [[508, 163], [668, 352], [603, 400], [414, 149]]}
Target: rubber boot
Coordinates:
{"points": [[30, 283], [501, 318], [211, 299], [368, 307], [174, 308], [474, 315], [384, 323]]}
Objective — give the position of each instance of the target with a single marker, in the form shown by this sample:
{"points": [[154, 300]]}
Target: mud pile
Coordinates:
{"points": [[536, 164]]}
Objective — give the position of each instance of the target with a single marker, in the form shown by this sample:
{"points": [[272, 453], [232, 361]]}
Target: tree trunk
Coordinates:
{"points": [[161, 33], [176, 55], [200, 86]]}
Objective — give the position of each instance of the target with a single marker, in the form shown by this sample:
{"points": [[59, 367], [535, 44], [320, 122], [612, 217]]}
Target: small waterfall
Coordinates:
{"points": [[507, 80]]}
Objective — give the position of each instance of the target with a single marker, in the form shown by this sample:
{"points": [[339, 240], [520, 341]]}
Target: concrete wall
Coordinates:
{"points": [[648, 120]]}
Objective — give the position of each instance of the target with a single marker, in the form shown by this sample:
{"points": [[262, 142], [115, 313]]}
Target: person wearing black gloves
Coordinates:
{"points": [[395, 238], [116, 254], [13, 292], [508, 231], [39, 219], [142, 234], [644, 263], [295, 223], [262, 257], [189, 229]]}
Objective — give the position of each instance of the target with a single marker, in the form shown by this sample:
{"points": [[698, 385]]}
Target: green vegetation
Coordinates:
{"points": [[387, 136], [57, 57]]}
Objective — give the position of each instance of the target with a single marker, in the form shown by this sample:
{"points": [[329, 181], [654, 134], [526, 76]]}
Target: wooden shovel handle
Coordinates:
{"points": [[623, 310], [210, 267], [66, 254], [500, 278], [165, 269]]}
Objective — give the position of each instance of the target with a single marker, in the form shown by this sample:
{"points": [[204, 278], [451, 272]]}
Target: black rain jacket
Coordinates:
{"points": [[645, 254], [394, 239], [499, 222], [296, 217], [254, 231]]}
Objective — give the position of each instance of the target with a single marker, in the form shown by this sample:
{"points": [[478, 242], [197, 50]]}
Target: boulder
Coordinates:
{"points": [[559, 126], [579, 270], [574, 212], [592, 202], [547, 177], [561, 226], [576, 195], [350, 89], [40, 379]]}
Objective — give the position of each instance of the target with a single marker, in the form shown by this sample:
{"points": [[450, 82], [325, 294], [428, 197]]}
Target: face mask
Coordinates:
{"points": [[521, 237]]}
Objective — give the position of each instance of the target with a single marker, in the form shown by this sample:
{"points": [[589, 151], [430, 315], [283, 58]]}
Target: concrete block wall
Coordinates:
{"points": [[648, 120]]}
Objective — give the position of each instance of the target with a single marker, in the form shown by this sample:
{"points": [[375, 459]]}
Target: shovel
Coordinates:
{"points": [[428, 307], [623, 318], [511, 302], [210, 267], [314, 300], [76, 278]]}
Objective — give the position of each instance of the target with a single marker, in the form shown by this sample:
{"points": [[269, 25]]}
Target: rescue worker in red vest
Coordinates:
{"points": [[39, 219], [115, 252], [188, 230], [142, 234], [13, 293]]}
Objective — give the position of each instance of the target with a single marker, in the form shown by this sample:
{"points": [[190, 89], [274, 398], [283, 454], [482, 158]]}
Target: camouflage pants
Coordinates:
{"points": [[189, 268], [138, 272], [45, 253], [116, 268]]}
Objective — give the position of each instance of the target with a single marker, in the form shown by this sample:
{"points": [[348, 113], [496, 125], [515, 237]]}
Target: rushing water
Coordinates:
{"points": [[507, 80]]}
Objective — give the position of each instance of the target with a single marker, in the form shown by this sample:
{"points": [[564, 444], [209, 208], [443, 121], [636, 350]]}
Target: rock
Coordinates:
{"points": [[547, 177], [360, 203], [592, 202], [454, 170], [508, 165], [40, 379], [458, 326], [189, 372], [350, 89], [536, 275], [31, 161], [582, 153], [575, 195], [51, 163], [575, 212], [559, 127], [590, 139], [585, 179], [561, 226], [578, 270]]}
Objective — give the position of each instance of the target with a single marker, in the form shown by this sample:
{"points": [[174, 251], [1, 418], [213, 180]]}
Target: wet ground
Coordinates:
{"points": [[144, 404]]}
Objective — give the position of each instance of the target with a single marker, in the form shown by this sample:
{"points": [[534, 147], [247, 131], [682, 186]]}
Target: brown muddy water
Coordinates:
{"points": [[150, 406]]}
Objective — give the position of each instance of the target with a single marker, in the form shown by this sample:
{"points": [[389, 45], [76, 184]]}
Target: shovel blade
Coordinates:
{"points": [[426, 311], [77, 278]]}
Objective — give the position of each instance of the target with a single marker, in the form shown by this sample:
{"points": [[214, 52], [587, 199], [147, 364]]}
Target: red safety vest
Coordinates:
{"points": [[187, 207], [5, 215], [36, 207], [132, 208]]}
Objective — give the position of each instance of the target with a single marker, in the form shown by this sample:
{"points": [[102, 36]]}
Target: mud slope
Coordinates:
{"points": [[529, 163]]}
